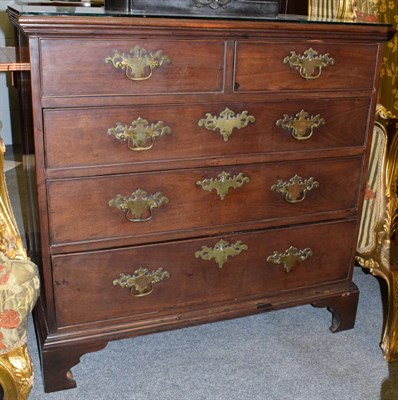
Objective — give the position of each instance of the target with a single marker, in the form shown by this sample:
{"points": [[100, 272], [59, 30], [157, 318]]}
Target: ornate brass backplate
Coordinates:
{"points": [[139, 63], [141, 281], [223, 183], [221, 251], [295, 188], [138, 207], [290, 257], [226, 122], [140, 135], [310, 64], [301, 125]]}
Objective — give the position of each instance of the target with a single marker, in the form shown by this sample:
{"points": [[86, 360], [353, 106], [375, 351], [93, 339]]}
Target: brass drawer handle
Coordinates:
{"points": [[221, 251], [142, 281], [140, 135], [139, 63], [310, 64], [223, 183], [226, 122], [302, 125], [290, 257], [295, 188], [138, 207]]}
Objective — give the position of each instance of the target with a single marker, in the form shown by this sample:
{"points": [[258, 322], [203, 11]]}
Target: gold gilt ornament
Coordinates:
{"points": [[11, 243], [377, 248], [16, 373], [20, 288]]}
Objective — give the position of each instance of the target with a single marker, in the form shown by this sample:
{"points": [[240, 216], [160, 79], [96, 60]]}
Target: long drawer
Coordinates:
{"points": [[141, 282], [131, 67], [140, 204], [303, 66], [137, 135]]}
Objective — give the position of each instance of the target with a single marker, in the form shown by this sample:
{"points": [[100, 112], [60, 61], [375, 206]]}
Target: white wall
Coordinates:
{"points": [[6, 39]]}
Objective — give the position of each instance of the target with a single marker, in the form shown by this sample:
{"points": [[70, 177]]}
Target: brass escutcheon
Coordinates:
{"points": [[139, 63], [140, 135], [302, 125], [226, 122], [295, 188], [290, 257], [138, 207], [223, 183], [221, 251], [310, 64], [142, 281]]}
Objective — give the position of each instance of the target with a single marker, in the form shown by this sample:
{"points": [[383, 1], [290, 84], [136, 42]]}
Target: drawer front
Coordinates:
{"points": [[88, 287], [295, 66], [131, 67], [141, 204], [120, 136]]}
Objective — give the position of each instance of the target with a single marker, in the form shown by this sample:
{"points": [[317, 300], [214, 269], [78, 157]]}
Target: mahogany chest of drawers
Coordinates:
{"points": [[189, 171]]}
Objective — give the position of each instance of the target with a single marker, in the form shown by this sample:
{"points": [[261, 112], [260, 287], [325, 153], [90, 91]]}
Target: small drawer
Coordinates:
{"points": [[74, 67], [279, 66], [85, 138], [142, 204], [170, 278]]}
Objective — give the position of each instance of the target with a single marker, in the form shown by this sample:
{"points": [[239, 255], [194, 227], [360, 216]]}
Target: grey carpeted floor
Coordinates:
{"points": [[282, 355]]}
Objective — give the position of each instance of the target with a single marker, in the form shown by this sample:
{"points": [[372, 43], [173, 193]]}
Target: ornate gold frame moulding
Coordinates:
{"points": [[382, 258], [16, 370]]}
